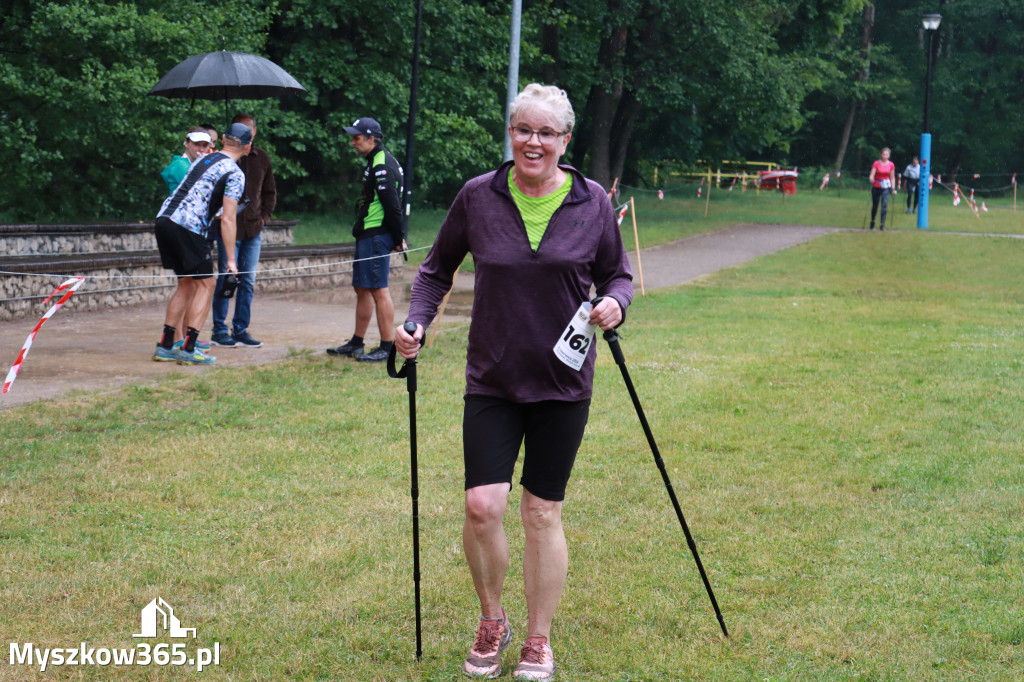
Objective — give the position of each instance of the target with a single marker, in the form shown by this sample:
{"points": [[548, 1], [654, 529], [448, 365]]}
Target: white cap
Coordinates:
{"points": [[199, 137]]}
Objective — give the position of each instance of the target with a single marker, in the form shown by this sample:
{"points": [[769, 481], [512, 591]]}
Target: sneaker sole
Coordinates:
{"points": [[483, 676], [248, 345], [225, 345], [209, 360], [335, 353], [157, 358], [501, 649]]}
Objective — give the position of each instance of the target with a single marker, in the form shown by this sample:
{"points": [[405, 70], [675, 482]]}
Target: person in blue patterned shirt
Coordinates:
{"points": [[214, 184]]}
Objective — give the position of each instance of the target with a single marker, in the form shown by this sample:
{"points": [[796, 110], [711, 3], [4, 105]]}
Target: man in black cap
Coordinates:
{"points": [[378, 232], [214, 181]]}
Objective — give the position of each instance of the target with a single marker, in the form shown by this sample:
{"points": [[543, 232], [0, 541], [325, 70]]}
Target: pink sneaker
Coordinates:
{"points": [[536, 662], [484, 658]]}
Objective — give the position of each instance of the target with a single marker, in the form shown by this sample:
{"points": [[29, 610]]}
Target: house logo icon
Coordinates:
{"points": [[159, 612]]}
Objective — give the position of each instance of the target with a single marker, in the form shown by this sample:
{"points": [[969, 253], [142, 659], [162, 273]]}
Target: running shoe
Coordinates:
{"points": [[196, 357], [223, 340], [165, 354], [202, 345], [536, 661], [484, 658], [348, 348], [243, 339]]}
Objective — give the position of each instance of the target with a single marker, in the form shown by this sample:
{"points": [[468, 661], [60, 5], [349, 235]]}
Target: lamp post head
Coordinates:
{"points": [[931, 21]]}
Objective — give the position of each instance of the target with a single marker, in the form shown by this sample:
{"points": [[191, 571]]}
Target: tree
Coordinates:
{"points": [[361, 67], [79, 138], [977, 97], [862, 78], [670, 79]]}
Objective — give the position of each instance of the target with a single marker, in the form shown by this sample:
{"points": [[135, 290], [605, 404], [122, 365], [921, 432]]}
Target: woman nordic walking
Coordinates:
{"points": [[883, 182], [540, 234]]}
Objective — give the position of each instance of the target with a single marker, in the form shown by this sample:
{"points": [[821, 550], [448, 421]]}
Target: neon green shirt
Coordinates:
{"points": [[537, 211]]}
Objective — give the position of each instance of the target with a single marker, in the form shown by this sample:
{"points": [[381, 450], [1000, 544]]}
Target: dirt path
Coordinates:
{"points": [[100, 351]]}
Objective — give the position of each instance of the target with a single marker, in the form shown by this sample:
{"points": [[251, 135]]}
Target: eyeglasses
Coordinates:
{"points": [[546, 137]]}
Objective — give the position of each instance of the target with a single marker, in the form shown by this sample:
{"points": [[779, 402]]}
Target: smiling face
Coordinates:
{"points": [[536, 161]]}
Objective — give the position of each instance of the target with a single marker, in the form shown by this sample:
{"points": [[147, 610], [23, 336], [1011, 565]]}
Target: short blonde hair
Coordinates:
{"points": [[549, 97]]}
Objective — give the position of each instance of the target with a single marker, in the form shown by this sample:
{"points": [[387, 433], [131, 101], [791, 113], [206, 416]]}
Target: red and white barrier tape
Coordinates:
{"points": [[72, 286], [622, 212]]}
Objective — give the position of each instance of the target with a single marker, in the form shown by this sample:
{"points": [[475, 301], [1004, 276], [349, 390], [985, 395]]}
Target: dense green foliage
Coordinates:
{"points": [[976, 99], [654, 83], [79, 139]]}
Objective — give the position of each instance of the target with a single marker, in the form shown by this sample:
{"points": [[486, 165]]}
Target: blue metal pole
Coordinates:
{"points": [[922, 185], [926, 144]]}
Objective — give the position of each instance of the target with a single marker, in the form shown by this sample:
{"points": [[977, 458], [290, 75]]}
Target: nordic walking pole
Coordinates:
{"points": [[613, 343], [408, 372]]}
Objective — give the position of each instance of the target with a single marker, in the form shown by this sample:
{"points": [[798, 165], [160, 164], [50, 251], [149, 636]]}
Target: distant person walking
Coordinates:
{"points": [[912, 174], [378, 232], [883, 183], [261, 199]]}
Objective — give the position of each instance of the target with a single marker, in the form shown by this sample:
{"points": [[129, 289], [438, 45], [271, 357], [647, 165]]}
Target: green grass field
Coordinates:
{"points": [[841, 422]]}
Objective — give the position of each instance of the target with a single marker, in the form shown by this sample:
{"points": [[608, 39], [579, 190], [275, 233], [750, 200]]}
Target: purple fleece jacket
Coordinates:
{"points": [[523, 299]]}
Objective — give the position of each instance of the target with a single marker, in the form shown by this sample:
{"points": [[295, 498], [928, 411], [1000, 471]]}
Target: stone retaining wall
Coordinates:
{"points": [[26, 240], [21, 296]]}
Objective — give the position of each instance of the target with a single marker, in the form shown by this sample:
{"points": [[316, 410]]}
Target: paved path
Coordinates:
{"points": [[681, 261], [82, 351]]}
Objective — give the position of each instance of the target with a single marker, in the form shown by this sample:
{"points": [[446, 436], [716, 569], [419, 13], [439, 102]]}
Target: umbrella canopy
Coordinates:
{"points": [[226, 75]]}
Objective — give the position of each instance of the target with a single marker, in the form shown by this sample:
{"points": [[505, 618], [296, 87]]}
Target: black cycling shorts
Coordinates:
{"points": [[493, 429], [182, 250]]}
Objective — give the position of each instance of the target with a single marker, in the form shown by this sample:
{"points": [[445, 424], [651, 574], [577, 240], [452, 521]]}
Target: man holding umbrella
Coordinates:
{"points": [[182, 235], [261, 195]]}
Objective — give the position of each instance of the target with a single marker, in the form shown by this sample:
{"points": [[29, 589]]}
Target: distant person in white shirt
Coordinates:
{"points": [[912, 174]]}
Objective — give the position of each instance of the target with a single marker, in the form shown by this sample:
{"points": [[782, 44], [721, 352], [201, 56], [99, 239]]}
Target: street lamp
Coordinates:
{"points": [[931, 25]]}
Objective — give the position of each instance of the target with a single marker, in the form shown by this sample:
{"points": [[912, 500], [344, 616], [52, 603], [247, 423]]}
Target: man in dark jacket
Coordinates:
{"points": [[261, 197], [378, 232]]}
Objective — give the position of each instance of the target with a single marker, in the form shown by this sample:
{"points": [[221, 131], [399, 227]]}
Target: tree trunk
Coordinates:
{"points": [[549, 47], [603, 104], [862, 77], [601, 116], [625, 119]]}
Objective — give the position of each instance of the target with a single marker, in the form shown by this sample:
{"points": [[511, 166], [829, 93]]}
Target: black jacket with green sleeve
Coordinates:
{"points": [[380, 205]]}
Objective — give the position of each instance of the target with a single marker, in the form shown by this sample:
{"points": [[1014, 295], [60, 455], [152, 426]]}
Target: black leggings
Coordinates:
{"points": [[876, 194]]}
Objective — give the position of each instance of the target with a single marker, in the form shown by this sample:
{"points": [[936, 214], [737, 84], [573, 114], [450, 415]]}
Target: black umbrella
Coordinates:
{"points": [[226, 75]]}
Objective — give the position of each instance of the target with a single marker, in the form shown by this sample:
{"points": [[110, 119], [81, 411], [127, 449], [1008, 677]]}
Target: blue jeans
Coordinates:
{"points": [[247, 257]]}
